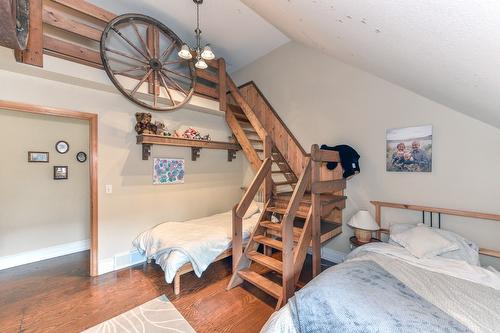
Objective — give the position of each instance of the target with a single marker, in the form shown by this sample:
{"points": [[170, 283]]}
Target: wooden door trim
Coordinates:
{"points": [[92, 119]]}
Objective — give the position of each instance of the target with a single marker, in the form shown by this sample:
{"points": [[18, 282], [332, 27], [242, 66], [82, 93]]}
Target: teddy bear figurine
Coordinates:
{"points": [[144, 125]]}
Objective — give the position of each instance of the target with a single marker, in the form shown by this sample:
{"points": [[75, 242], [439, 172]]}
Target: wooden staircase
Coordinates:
{"points": [[303, 199]]}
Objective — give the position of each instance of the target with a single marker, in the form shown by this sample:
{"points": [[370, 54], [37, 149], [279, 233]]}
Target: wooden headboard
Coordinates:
{"points": [[438, 211]]}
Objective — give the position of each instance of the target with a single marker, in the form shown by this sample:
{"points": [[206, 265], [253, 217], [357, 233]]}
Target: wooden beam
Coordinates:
{"points": [[33, 55], [245, 143], [222, 85], [287, 232], [321, 155], [237, 240], [254, 187], [69, 50], [87, 8], [61, 20], [326, 186], [202, 89], [315, 218], [206, 75]]}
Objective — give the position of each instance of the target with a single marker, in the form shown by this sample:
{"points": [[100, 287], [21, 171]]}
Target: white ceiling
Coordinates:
{"points": [[236, 33], [445, 50]]}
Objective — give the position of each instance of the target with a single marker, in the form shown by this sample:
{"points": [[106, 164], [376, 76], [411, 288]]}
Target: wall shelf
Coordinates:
{"points": [[148, 140]]}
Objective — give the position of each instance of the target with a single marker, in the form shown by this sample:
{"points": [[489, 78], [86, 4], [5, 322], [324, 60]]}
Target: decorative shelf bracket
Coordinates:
{"points": [[195, 153], [146, 151], [231, 155]]}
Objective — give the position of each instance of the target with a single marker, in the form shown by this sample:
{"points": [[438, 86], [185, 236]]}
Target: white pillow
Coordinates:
{"points": [[423, 242], [252, 209]]}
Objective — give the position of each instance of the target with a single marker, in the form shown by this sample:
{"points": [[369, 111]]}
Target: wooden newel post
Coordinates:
{"points": [[222, 85], [316, 212], [237, 243]]}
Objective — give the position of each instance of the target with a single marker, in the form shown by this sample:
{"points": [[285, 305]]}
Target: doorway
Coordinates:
{"points": [[92, 162]]}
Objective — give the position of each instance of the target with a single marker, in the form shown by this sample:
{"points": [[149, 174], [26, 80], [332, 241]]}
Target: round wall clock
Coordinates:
{"points": [[62, 147], [81, 157]]}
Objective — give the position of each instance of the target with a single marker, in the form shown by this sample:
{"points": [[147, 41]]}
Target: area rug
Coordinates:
{"points": [[157, 315]]}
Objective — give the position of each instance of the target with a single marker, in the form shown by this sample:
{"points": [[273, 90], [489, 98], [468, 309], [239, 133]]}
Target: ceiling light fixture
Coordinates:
{"points": [[201, 54]]}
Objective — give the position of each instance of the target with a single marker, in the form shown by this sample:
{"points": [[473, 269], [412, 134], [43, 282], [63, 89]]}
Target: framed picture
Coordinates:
{"points": [[409, 149], [62, 147], [60, 172], [38, 157], [168, 171], [81, 157]]}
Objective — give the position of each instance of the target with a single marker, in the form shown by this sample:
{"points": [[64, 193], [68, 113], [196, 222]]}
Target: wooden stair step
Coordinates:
{"points": [[282, 211], [274, 243], [261, 282], [276, 227], [285, 182], [255, 141], [266, 261], [248, 130], [280, 171], [240, 116]]}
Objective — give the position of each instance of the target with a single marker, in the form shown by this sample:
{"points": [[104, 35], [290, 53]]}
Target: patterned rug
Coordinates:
{"points": [[157, 315]]}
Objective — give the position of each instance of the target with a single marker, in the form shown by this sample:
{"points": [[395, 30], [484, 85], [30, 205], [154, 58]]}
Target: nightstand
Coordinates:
{"points": [[354, 242]]}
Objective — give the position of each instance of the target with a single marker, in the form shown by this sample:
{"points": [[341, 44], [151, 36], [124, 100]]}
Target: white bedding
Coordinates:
{"points": [[199, 241], [443, 282]]}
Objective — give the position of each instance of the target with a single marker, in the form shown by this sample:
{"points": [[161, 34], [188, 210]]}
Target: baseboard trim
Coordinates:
{"points": [[43, 254], [120, 261]]}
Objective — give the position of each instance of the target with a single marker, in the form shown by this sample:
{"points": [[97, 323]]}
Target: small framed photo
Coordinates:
{"points": [[60, 172], [81, 157], [38, 157], [62, 147]]}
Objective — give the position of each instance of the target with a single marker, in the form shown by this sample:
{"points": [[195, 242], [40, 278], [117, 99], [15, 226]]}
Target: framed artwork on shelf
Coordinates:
{"points": [[168, 171], [409, 149], [60, 172], [38, 157]]}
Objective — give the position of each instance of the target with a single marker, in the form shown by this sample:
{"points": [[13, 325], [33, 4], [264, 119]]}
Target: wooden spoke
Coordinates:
{"points": [[141, 82], [173, 62], [177, 73], [166, 88], [175, 84], [155, 95], [130, 43], [129, 70], [143, 43], [167, 51], [126, 55]]}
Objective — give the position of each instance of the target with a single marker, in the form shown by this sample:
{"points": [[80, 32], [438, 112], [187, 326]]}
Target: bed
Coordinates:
{"points": [[403, 285], [192, 245]]}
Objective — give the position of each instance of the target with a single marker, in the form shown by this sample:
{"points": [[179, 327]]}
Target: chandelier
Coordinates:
{"points": [[201, 54]]}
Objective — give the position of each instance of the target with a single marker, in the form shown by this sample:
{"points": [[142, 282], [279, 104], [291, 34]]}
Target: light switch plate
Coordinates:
{"points": [[109, 189]]}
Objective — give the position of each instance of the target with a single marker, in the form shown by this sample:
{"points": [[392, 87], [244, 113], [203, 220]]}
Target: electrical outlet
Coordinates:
{"points": [[109, 189]]}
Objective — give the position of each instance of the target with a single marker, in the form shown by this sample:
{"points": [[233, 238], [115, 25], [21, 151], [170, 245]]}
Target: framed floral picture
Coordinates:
{"points": [[168, 171]]}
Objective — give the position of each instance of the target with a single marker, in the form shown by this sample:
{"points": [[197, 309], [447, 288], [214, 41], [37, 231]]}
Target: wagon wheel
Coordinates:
{"points": [[14, 23], [139, 54]]}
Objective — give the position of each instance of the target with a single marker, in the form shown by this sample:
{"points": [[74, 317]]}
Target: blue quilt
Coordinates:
{"points": [[363, 297]]}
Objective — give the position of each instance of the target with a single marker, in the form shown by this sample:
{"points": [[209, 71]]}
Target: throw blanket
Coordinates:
{"points": [[373, 292], [200, 243]]}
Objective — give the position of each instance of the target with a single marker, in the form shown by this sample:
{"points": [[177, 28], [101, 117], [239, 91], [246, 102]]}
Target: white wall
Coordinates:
{"points": [[37, 211], [211, 184], [323, 100]]}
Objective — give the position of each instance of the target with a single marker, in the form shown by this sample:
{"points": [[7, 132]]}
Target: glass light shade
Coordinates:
{"points": [[207, 53], [201, 64], [185, 52], [363, 220]]}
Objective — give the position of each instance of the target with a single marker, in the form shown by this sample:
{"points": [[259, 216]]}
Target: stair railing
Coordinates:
{"points": [[242, 207], [287, 232], [320, 184]]}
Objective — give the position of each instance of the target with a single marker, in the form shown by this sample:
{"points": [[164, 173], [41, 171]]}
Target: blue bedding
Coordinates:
{"points": [[363, 297]]}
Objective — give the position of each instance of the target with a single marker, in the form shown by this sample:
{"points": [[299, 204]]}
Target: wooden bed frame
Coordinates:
{"points": [[439, 211], [186, 268]]}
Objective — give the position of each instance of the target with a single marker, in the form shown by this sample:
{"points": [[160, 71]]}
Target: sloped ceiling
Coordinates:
{"points": [[445, 50], [236, 32]]}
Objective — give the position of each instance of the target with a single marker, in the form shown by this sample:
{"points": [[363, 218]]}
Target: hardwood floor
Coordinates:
{"points": [[57, 295]]}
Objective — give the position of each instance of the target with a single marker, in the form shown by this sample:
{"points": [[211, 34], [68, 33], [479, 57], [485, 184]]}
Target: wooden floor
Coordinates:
{"points": [[57, 295]]}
